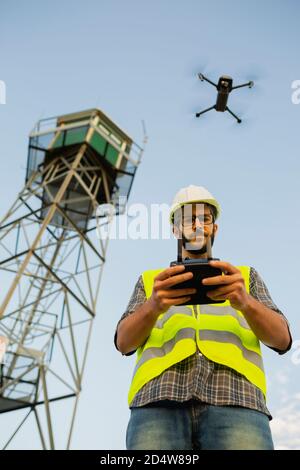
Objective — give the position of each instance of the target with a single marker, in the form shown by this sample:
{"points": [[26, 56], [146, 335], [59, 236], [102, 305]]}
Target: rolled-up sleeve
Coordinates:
{"points": [[137, 298], [260, 292]]}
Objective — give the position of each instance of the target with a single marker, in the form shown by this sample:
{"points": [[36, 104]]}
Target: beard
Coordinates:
{"points": [[186, 243]]}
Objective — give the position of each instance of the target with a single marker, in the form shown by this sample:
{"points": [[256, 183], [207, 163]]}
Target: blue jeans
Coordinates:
{"points": [[197, 425]]}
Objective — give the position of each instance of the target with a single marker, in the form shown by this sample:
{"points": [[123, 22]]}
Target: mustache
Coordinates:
{"points": [[197, 234], [186, 241]]}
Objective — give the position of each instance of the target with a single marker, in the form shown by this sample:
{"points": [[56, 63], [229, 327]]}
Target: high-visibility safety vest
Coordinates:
{"points": [[219, 331]]}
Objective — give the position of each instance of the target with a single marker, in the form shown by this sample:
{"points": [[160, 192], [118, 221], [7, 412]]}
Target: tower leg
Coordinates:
{"points": [[46, 221]]}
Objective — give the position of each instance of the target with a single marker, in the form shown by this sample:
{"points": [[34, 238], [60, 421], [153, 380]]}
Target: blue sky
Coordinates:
{"points": [[138, 60]]}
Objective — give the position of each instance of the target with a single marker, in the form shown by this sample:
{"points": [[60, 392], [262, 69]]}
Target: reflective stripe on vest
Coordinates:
{"points": [[219, 331]]}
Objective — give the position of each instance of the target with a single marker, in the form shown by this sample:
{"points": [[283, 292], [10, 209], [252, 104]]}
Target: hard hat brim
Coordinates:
{"points": [[177, 206]]}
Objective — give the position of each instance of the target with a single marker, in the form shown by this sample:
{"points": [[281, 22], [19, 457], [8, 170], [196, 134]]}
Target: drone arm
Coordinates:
{"points": [[234, 115], [205, 110], [249, 84], [202, 77]]}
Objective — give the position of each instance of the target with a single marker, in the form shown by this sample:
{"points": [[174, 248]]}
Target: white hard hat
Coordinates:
{"points": [[193, 194]]}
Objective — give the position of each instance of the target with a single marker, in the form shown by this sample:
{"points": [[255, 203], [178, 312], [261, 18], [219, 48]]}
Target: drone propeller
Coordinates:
{"points": [[195, 66], [202, 66], [254, 72]]}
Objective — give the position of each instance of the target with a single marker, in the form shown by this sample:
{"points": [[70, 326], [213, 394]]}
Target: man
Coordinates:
{"points": [[199, 381]]}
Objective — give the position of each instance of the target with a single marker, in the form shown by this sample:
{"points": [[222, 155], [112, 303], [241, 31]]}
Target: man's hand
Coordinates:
{"points": [[232, 286], [162, 296], [269, 326]]}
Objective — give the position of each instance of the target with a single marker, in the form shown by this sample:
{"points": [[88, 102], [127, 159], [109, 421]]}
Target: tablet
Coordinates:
{"points": [[201, 269]]}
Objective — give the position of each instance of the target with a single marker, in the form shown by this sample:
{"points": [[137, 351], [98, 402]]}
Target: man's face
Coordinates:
{"points": [[196, 225]]}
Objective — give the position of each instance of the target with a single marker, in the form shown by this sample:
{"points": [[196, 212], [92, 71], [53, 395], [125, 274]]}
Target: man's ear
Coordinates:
{"points": [[216, 228]]}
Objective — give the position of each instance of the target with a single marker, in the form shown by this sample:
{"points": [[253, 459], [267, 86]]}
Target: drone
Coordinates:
{"points": [[224, 87]]}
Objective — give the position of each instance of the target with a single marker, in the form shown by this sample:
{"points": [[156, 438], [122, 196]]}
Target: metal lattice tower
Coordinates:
{"points": [[52, 255]]}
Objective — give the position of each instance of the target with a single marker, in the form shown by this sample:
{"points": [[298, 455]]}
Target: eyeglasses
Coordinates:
{"points": [[204, 219]]}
